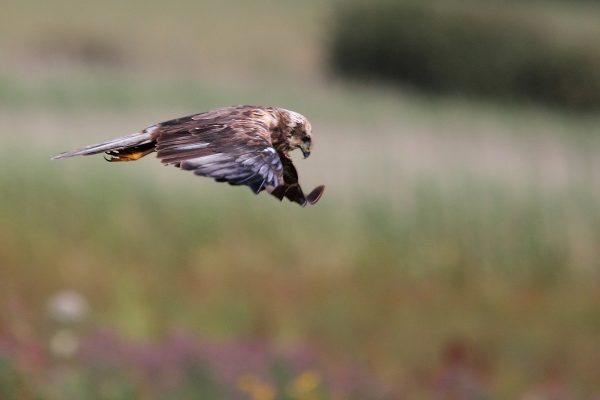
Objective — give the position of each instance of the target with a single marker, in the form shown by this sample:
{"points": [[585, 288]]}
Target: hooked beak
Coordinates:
{"points": [[305, 147]]}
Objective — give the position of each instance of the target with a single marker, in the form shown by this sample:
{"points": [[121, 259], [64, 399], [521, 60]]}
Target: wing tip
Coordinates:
{"points": [[59, 156], [316, 194], [294, 194], [72, 153]]}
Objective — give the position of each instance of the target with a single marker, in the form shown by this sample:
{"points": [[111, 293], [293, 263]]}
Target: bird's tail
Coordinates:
{"points": [[134, 142]]}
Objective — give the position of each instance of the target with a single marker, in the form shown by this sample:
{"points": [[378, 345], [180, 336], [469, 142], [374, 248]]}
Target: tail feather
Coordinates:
{"points": [[134, 139]]}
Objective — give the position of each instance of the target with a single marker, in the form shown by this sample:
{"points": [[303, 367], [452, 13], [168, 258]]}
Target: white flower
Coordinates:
{"points": [[67, 306]]}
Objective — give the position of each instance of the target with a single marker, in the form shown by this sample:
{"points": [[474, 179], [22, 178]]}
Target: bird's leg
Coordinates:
{"points": [[116, 156]]}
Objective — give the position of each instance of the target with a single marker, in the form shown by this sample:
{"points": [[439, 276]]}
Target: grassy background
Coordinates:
{"points": [[444, 221]]}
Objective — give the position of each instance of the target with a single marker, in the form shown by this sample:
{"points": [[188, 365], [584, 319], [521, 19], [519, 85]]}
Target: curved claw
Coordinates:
{"points": [[117, 156]]}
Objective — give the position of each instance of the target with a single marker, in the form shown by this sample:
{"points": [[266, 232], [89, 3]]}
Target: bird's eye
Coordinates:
{"points": [[306, 139]]}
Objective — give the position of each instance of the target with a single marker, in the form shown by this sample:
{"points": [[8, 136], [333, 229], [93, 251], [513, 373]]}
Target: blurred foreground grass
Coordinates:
{"points": [[442, 226]]}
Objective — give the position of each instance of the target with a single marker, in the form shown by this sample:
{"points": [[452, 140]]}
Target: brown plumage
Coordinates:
{"points": [[241, 145]]}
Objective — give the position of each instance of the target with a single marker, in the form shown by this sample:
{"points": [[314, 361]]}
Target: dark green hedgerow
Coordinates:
{"points": [[474, 48]]}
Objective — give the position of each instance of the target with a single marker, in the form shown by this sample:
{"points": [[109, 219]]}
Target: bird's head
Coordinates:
{"points": [[299, 132]]}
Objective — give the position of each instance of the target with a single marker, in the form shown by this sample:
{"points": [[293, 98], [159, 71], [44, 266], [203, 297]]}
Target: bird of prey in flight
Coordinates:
{"points": [[241, 145]]}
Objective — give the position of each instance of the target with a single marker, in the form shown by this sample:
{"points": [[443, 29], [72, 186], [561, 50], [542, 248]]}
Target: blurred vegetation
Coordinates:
{"points": [[383, 279], [531, 50], [455, 251]]}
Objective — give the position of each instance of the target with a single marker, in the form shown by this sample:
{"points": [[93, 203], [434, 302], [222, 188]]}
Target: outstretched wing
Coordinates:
{"points": [[230, 145]]}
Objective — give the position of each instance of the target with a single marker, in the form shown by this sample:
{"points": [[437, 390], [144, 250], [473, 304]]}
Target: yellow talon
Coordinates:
{"points": [[115, 156]]}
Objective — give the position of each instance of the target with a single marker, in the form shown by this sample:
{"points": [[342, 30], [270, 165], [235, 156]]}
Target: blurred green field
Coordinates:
{"points": [[444, 221], [435, 227]]}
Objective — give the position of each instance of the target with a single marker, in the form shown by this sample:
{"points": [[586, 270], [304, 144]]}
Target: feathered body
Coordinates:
{"points": [[241, 145]]}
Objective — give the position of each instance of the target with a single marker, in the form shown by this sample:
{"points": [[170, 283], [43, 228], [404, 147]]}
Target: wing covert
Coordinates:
{"points": [[233, 148]]}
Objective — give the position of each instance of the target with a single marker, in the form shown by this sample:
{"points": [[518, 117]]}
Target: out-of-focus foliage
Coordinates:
{"points": [[109, 366], [527, 50], [485, 237], [454, 254]]}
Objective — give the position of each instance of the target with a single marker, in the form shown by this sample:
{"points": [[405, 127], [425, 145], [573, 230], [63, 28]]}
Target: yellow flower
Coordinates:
{"points": [[304, 386], [256, 389]]}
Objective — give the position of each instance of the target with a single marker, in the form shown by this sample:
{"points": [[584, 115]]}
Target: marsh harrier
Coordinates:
{"points": [[241, 145]]}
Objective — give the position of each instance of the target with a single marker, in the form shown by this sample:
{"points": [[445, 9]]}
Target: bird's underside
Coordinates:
{"points": [[243, 145]]}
